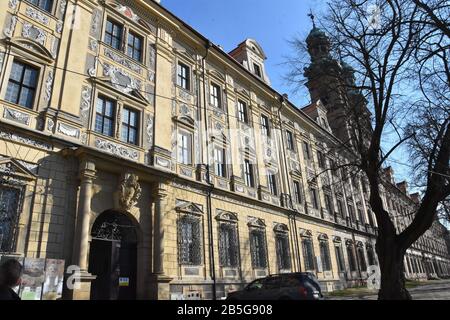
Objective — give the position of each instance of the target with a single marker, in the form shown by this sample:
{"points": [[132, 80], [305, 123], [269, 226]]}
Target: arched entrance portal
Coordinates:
{"points": [[113, 258]]}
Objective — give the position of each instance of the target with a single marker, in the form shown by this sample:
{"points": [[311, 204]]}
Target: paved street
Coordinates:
{"points": [[431, 290]]}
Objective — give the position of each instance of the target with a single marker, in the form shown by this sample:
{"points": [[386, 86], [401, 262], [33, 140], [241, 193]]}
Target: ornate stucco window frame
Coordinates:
{"points": [[192, 211], [230, 219], [18, 175], [258, 225]]}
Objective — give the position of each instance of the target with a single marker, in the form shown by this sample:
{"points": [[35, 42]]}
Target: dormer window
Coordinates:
{"points": [[257, 69]]}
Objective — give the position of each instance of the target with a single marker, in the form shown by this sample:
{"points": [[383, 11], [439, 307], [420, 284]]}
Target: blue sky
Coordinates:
{"points": [[272, 23]]}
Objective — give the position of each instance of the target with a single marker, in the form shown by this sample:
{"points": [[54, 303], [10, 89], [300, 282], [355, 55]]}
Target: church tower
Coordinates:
{"points": [[333, 83]]}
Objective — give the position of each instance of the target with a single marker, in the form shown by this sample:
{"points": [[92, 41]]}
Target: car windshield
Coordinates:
{"points": [[255, 285]]}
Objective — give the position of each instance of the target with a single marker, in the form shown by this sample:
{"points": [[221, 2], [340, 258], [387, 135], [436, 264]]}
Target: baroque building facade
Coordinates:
{"points": [[133, 147]]}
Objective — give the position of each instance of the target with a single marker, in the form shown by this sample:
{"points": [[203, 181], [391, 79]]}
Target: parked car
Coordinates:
{"points": [[286, 286]]}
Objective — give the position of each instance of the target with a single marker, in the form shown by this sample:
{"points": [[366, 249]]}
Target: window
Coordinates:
{"points": [[183, 76], [257, 69], [228, 249], [189, 240], [314, 200], [272, 181], [113, 34], [369, 215], [248, 173], [9, 205], [215, 96], [134, 48], [290, 140], [360, 216], [265, 128], [43, 4], [242, 111], [104, 116], [371, 256], [130, 120], [219, 162], [22, 84], [321, 160], [258, 249], [329, 203], [185, 148], [255, 285], [339, 258], [306, 151], [308, 254], [362, 259], [351, 212], [340, 208], [351, 258], [298, 192], [283, 253], [325, 255]]}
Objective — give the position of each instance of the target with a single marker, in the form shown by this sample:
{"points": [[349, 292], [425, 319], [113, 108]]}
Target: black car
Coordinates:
{"points": [[286, 286]]}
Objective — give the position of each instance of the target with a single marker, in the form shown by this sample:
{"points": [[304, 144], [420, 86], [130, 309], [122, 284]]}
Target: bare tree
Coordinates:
{"points": [[383, 43]]}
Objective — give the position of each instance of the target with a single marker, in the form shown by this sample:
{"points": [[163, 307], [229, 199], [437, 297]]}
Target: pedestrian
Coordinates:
{"points": [[10, 276]]}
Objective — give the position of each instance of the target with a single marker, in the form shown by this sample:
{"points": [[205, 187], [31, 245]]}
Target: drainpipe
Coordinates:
{"points": [[283, 154], [208, 179]]}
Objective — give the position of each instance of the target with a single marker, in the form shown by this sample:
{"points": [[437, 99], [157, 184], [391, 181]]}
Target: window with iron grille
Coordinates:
{"points": [[22, 84], [134, 48], [283, 252], [325, 255], [290, 140], [9, 214], [242, 111], [130, 126], [340, 258], [351, 258], [189, 240], [114, 34], [104, 116], [43, 4], [228, 246], [308, 254], [362, 259], [258, 248], [265, 128], [183, 76], [298, 192], [215, 96]]}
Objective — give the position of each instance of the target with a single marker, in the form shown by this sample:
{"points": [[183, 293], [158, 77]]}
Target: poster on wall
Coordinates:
{"points": [[54, 277], [3, 258], [32, 279]]}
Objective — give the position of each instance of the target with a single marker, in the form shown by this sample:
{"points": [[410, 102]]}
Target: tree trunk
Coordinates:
{"points": [[392, 286]]}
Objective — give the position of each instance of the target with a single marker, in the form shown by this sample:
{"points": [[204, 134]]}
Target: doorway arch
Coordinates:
{"points": [[113, 256]]}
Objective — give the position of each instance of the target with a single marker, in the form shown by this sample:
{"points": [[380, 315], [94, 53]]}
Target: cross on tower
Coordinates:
{"points": [[310, 14]]}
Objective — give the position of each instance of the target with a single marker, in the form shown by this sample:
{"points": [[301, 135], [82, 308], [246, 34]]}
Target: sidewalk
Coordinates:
{"points": [[420, 290]]}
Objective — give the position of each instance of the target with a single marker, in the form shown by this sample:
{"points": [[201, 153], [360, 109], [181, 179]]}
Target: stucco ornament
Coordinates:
{"points": [[129, 191]]}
